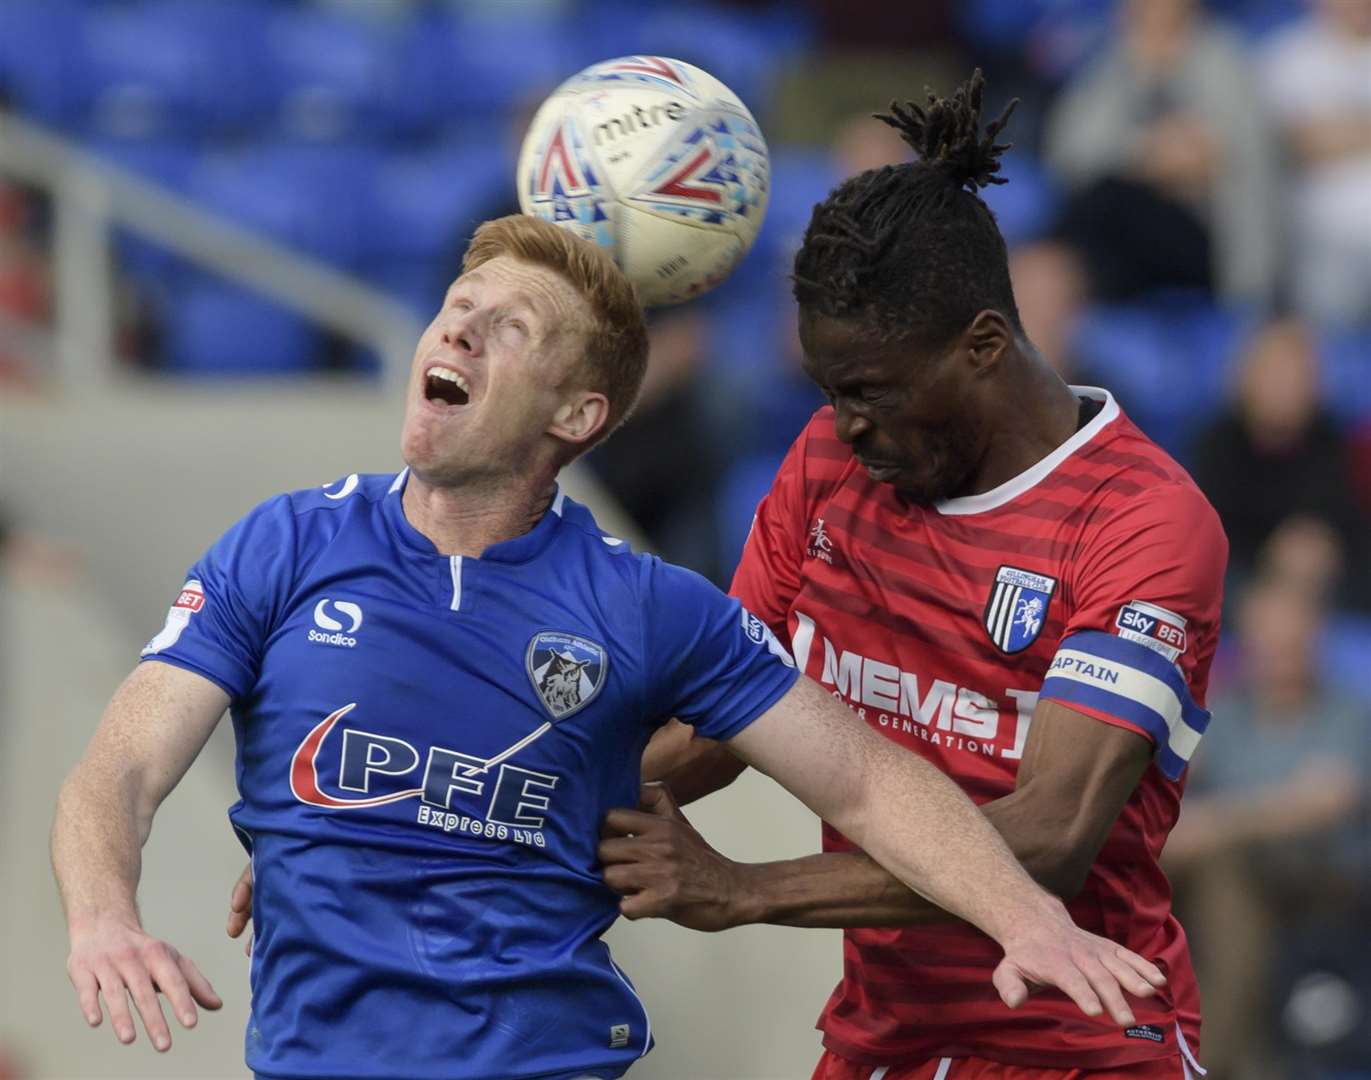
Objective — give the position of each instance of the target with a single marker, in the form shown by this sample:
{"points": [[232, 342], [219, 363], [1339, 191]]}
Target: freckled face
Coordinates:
{"points": [[488, 373], [907, 414]]}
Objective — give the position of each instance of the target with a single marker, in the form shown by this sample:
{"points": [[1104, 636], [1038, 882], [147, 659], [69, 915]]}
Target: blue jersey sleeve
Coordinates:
{"points": [[231, 599], [710, 661]]}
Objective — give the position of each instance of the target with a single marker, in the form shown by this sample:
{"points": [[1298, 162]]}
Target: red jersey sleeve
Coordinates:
{"points": [[768, 574], [1143, 626]]}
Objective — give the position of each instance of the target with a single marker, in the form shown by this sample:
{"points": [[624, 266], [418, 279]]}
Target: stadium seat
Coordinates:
{"points": [[310, 196], [1344, 651], [1026, 204], [1346, 356], [1168, 361], [424, 203], [213, 328], [40, 65], [740, 490], [333, 76]]}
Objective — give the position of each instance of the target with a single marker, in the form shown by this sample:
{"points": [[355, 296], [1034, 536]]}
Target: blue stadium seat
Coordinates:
{"points": [[310, 196], [1167, 361], [1346, 355], [1344, 650], [425, 203], [40, 62], [1026, 204], [473, 67], [799, 179], [333, 76], [740, 490], [216, 329]]}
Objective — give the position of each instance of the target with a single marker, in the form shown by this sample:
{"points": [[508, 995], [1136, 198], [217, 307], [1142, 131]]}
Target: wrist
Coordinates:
{"points": [[746, 900], [81, 922], [1040, 910]]}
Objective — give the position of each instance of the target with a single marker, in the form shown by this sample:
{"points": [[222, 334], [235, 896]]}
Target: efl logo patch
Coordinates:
{"points": [[1160, 630], [1017, 607], [567, 671]]}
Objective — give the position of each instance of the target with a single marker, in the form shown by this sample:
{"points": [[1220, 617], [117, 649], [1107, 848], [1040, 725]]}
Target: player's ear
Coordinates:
{"points": [[986, 338], [580, 418]]}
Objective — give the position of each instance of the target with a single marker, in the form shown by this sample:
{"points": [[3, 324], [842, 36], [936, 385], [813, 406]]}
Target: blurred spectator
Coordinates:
{"points": [[1273, 836], [1317, 77], [1173, 167], [862, 142], [665, 463], [1276, 452], [1050, 289], [25, 288]]}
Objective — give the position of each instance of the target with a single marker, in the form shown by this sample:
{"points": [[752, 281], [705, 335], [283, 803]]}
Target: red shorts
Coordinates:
{"points": [[833, 1067]]}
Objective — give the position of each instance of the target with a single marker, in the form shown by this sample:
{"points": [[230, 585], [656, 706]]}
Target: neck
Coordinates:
{"points": [[1040, 413], [468, 518]]}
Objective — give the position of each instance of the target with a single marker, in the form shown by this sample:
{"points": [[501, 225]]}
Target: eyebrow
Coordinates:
{"points": [[518, 299]]}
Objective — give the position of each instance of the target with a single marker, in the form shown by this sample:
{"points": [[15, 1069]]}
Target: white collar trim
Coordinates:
{"points": [[1032, 476]]}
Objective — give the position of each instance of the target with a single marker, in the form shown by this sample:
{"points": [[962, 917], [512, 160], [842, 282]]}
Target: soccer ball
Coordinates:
{"points": [[655, 160]]}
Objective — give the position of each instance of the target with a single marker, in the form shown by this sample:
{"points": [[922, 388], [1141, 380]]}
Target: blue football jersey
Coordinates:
{"points": [[426, 747]]}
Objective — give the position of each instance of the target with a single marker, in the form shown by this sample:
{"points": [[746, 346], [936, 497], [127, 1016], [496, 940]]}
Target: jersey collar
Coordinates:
{"points": [[1035, 474], [516, 550]]}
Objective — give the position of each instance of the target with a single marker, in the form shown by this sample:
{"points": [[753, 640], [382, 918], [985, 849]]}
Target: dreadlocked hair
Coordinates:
{"points": [[911, 249]]}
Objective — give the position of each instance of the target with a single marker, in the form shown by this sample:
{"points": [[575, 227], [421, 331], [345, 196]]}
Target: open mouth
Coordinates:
{"points": [[445, 386]]}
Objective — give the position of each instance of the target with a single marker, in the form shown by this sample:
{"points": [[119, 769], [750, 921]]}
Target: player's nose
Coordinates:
{"points": [[461, 331], [849, 425]]}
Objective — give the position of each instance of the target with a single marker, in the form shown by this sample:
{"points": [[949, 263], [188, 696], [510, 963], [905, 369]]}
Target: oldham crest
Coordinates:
{"points": [[1017, 607], [567, 671]]}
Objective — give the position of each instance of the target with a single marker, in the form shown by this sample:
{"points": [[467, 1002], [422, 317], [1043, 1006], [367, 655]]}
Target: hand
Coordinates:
{"points": [[116, 959], [240, 908], [662, 867], [1088, 969]]}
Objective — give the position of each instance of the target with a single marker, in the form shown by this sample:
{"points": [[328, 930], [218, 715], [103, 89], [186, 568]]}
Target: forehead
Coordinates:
{"points": [[850, 349], [541, 289]]}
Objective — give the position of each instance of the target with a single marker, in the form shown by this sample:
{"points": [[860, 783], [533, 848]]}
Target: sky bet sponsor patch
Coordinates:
{"points": [[1160, 630]]}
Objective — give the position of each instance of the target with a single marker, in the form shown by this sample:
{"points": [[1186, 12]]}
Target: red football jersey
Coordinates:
{"points": [[1095, 579]]}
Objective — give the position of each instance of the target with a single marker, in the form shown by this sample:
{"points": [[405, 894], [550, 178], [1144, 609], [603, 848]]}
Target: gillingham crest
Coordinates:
{"points": [[1017, 607], [567, 671]]}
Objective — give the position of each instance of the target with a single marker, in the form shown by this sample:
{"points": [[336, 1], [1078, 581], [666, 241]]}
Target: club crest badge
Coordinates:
{"points": [[567, 671], [1017, 607]]}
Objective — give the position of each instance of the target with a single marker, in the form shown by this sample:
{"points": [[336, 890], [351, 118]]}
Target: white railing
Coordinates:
{"points": [[90, 197]]}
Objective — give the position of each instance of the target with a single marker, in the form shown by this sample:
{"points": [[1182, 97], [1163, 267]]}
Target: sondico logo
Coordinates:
{"points": [[325, 621]]}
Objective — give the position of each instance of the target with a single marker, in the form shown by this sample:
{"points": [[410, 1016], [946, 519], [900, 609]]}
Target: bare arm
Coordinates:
{"points": [[1075, 777], [151, 731], [902, 810]]}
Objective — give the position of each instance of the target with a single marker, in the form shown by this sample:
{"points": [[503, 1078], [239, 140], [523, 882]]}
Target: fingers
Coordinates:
{"points": [[1107, 991], [149, 1007], [87, 993], [1011, 986], [619, 849], [240, 903], [656, 798], [623, 822], [168, 978], [1131, 970], [200, 988], [116, 1003], [1149, 971]]}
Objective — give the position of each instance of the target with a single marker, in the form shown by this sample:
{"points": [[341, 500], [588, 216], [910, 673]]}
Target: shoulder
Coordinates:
{"points": [[343, 493]]}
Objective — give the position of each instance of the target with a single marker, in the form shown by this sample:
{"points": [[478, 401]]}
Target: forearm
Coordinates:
{"points": [[97, 841], [834, 889], [847, 889]]}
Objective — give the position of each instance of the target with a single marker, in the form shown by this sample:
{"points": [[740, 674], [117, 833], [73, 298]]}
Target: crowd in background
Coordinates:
{"points": [[1189, 219]]}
